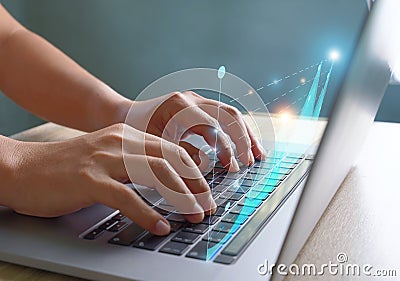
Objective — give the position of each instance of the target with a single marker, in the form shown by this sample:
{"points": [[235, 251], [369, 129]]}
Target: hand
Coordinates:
{"points": [[53, 179], [177, 115]]}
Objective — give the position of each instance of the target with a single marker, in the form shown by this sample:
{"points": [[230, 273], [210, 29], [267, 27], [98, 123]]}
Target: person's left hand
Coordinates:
{"points": [[177, 115]]}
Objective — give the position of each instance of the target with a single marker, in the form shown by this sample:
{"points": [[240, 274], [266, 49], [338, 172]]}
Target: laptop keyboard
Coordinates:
{"points": [[245, 202]]}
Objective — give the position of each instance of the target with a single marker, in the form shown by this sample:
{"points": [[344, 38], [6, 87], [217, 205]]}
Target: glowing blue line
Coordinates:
{"points": [[308, 108], [321, 98], [221, 74]]}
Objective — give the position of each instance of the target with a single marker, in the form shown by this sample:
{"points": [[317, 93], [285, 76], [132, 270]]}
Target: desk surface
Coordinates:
{"points": [[361, 220]]}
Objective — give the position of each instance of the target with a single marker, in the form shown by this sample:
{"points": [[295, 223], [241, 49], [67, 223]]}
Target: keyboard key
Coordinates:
{"points": [[224, 259], [285, 165], [127, 236], [235, 218], [226, 227], [222, 202], [253, 194], [220, 211], [233, 176], [291, 160], [231, 195], [239, 189], [174, 248], [118, 226], [242, 210], [210, 220], [196, 228], [202, 250], [282, 171], [218, 170], [217, 237], [218, 187], [217, 165], [186, 237], [215, 194], [260, 170], [218, 180], [209, 177], [149, 242], [176, 217], [94, 234], [175, 226], [248, 182], [247, 201], [253, 176], [274, 177], [118, 217], [263, 187], [108, 224]]}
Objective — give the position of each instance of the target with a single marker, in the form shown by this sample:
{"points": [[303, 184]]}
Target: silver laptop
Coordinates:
{"points": [[265, 212]]}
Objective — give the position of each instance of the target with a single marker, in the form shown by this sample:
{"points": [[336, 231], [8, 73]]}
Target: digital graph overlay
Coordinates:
{"points": [[310, 94], [266, 183]]}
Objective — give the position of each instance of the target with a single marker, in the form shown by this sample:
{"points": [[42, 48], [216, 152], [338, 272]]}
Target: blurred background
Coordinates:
{"points": [[130, 43]]}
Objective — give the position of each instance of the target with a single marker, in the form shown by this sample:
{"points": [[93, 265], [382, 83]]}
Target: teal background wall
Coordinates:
{"points": [[128, 44]]}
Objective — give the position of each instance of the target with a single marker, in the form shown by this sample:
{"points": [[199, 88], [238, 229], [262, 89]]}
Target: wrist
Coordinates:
{"points": [[111, 108]]}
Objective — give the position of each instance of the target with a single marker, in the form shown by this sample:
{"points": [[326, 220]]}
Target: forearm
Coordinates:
{"points": [[43, 80], [7, 169]]}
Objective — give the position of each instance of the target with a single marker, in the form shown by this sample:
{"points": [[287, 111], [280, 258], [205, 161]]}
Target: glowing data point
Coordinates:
{"points": [[221, 72], [303, 80], [285, 116], [334, 55], [275, 82]]}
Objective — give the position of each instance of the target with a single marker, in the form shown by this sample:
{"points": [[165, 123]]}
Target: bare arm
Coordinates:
{"points": [[52, 179], [43, 80]]}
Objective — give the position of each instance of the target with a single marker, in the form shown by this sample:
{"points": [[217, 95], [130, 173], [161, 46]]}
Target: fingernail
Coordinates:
{"points": [[162, 228], [251, 158], [234, 167], [211, 203], [197, 209]]}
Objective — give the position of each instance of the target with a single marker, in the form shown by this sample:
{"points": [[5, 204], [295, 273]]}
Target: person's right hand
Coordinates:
{"points": [[53, 179]]}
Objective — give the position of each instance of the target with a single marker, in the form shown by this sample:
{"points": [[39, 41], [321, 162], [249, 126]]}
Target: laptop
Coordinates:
{"points": [[265, 212]]}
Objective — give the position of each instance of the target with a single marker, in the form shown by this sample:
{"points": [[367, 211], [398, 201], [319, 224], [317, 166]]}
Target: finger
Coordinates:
{"points": [[256, 147], [198, 156], [182, 165], [217, 139], [233, 124], [158, 173], [111, 164], [197, 121], [118, 196]]}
